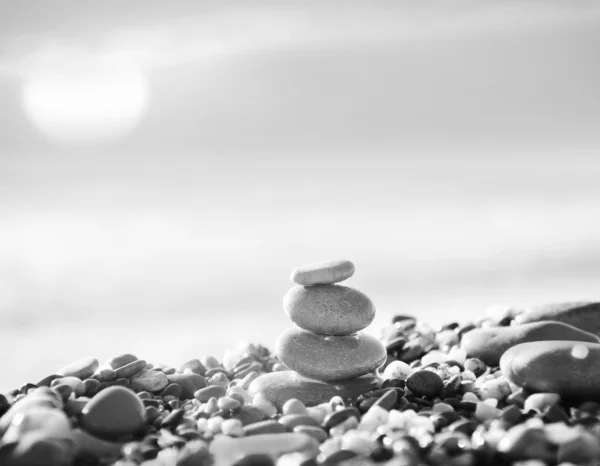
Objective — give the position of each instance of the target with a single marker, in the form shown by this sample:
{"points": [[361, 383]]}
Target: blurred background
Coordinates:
{"points": [[164, 166]]}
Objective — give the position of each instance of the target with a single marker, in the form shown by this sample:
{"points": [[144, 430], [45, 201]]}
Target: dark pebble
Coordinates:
{"points": [[555, 413], [172, 389], [92, 387], [424, 383], [395, 344], [465, 426], [45, 382], [173, 418], [388, 400], [248, 415], [340, 416], [151, 402]]}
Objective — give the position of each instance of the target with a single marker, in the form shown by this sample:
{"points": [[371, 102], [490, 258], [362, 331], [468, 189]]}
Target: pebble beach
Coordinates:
{"points": [[519, 386]]}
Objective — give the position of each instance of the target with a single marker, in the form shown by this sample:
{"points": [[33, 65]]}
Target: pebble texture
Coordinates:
{"points": [[279, 387], [489, 343], [583, 315], [322, 273], [329, 309], [550, 366], [328, 357]]}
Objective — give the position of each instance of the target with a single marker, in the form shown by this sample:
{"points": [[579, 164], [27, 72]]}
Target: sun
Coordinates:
{"points": [[84, 96]]}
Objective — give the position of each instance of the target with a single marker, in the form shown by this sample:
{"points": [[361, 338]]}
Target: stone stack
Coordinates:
{"points": [[326, 352]]}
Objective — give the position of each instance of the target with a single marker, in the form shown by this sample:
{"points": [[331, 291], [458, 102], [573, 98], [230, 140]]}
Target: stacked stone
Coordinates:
{"points": [[327, 349]]}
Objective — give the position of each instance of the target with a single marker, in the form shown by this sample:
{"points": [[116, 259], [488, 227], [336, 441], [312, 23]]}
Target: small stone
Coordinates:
{"points": [[232, 427], [268, 426], [292, 420], [336, 418], [358, 443], [279, 387], [260, 402], [113, 412], [189, 382], [193, 365], [91, 387], [206, 393], [129, 370], [105, 375], [425, 383], [582, 315], [329, 309], [540, 401], [74, 383], [549, 366], [488, 344], [82, 368], [497, 389], [316, 432], [322, 273], [121, 360], [227, 450], [228, 404], [397, 370], [294, 406], [151, 381], [329, 358], [248, 415], [172, 389], [475, 365]]}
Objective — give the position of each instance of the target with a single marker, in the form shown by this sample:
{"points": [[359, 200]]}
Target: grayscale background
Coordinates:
{"points": [[164, 166]]}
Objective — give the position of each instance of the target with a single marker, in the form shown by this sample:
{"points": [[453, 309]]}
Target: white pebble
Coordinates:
{"points": [[468, 375], [219, 379], [330, 446], [470, 396], [358, 442], [343, 427], [237, 390], [232, 427], [397, 370], [442, 408], [263, 405], [202, 424], [495, 388], [292, 459], [294, 406], [317, 413], [493, 402], [373, 418], [214, 424], [580, 351], [484, 411]]}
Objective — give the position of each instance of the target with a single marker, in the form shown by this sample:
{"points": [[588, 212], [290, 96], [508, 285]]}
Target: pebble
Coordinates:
{"points": [[193, 365], [425, 383], [260, 402], [36, 449], [583, 315], [397, 370], [268, 426], [489, 343], [129, 370], [292, 420], [540, 401], [317, 433], [189, 382], [74, 383], [329, 358], [329, 309], [151, 381], [41, 397], [336, 418], [212, 391], [227, 403], [322, 273], [226, 450], [549, 366], [294, 406], [121, 360], [82, 368], [279, 387], [113, 412]]}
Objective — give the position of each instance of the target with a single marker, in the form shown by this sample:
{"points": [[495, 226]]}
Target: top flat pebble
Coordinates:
{"points": [[323, 273]]}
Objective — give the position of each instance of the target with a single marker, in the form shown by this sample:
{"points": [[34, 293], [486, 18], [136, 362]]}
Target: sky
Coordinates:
{"points": [[449, 150]]}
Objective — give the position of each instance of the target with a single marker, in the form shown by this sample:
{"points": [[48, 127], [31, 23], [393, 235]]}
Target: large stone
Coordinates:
{"points": [[568, 368], [114, 412], [329, 309], [227, 450], [41, 397], [279, 387], [329, 357], [583, 315], [322, 273], [489, 343]]}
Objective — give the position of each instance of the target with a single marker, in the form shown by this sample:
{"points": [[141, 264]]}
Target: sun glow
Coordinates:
{"points": [[84, 97]]}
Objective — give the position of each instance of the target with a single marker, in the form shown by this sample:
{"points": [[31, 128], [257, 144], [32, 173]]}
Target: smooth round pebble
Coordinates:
{"points": [[294, 406], [121, 360], [540, 401], [397, 370], [425, 383], [322, 273], [329, 309], [549, 366], [151, 381], [329, 358], [113, 412], [583, 315], [189, 382]]}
